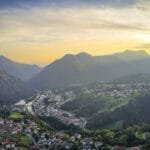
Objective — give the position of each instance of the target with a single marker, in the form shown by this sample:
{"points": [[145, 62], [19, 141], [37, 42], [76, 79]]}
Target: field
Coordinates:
{"points": [[16, 116], [25, 140]]}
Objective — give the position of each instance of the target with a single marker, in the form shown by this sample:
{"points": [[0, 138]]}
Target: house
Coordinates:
{"points": [[1, 121], [98, 145], [10, 146], [77, 136], [67, 145]]}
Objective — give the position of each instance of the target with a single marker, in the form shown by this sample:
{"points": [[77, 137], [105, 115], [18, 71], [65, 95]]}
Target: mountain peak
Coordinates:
{"points": [[129, 55], [67, 56], [80, 55], [83, 54]]}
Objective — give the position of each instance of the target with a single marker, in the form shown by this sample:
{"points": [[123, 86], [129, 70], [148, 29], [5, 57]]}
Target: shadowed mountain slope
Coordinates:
{"points": [[84, 68], [19, 70]]}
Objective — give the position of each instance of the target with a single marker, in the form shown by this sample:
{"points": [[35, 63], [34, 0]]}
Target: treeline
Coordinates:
{"points": [[130, 137]]}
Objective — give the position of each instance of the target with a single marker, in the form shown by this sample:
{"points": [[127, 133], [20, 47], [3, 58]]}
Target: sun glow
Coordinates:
{"points": [[145, 37]]}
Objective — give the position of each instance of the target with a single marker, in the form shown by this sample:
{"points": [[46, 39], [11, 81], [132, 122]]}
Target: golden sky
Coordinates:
{"points": [[41, 33]]}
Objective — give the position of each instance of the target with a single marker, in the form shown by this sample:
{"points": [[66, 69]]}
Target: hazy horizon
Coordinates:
{"points": [[42, 66]]}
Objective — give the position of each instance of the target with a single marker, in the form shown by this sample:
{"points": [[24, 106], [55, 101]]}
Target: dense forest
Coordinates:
{"points": [[136, 112]]}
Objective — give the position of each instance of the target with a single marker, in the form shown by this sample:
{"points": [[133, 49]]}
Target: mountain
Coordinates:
{"points": [[12, 89], [84, 68], [19, 70]]}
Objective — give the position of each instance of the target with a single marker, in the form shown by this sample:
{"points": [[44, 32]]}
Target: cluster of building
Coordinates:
{"points": [[8, 128], [118, 89], [48, 104], [11, 133]]}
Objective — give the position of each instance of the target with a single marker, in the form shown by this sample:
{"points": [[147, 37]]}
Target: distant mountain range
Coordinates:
{"points": [[19, 70], [70, 70], [84, 68], [12, 89]]}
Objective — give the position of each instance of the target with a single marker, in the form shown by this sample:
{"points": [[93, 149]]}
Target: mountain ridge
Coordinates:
{"points": [[12, 89], [19, 70], [85, 68]]}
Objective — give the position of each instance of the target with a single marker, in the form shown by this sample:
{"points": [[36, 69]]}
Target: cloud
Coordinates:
{"points": [[143, 6], [67, 3], [44, 25], [104, 24]]}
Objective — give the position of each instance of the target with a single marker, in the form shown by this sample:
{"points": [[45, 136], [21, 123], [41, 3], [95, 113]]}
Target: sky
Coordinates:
{"points": [[41, 31]]}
